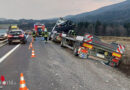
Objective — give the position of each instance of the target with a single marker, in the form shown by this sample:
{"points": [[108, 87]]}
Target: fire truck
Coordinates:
{"points": [[38, 29]]}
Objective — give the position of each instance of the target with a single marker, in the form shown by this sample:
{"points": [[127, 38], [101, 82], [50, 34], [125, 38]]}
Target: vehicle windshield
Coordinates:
{"points": [[15, 32]]}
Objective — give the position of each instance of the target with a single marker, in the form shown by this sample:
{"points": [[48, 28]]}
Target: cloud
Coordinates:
{"points": [[41, 9]]}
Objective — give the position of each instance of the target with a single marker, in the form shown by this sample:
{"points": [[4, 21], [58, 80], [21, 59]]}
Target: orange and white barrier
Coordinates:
{"points": [[120, 49], [88, 38]]}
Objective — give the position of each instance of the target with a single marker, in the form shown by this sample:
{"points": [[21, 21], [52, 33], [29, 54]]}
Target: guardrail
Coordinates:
{"points": [[3, 42]]}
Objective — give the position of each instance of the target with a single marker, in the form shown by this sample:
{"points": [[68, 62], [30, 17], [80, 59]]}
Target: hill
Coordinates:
{"points": [[118, 13]]}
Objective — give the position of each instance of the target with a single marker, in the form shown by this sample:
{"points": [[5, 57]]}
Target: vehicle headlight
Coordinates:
{"points": [[5, 35]]}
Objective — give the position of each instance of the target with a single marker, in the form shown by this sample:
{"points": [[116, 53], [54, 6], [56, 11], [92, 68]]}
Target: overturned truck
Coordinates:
{"points": [[84, 46]]}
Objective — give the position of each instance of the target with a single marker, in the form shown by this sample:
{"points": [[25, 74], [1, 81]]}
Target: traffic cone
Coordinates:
{"points": [[3, 82], [30, 46], [22, 83], [33, 53]]}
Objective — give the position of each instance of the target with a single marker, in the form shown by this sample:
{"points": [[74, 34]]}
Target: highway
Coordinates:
{"points": [[56, 68]]}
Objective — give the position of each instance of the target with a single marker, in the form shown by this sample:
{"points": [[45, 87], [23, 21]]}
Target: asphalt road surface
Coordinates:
{"points": [[55, 68]]}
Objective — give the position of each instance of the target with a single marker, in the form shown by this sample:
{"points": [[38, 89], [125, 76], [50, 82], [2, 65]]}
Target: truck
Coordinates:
{"points": [[61, 26], [90, 45], [13, 27], [38, 29]]}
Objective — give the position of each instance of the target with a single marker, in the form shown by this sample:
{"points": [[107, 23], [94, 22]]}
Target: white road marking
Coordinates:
{"points": [[11, 51], [7, 54]]}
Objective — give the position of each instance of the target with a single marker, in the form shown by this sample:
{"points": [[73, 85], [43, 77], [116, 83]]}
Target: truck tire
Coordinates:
{"points": [[75, 52]]}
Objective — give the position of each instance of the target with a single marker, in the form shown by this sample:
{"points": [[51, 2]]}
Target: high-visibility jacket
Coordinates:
{"points": [[42, 34], [34, 34], [46, 34]]}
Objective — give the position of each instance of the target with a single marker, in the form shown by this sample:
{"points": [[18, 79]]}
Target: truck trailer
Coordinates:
{"points": [[91, 45]]}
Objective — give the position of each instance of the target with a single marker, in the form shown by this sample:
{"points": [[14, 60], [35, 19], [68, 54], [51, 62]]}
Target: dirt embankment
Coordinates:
{"points": [[125, 65]]}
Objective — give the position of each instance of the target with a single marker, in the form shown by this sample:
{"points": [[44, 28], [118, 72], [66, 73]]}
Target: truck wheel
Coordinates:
{"points": [[75, 52]]}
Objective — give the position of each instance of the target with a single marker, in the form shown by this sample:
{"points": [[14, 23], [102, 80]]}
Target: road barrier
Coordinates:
{"points": [[3, 42]]}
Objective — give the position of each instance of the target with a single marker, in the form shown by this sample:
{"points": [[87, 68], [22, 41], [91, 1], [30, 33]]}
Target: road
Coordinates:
{"points": [[55, 68]]}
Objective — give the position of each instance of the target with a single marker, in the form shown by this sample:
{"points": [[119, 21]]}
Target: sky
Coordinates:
{"points": [[44, 9]]}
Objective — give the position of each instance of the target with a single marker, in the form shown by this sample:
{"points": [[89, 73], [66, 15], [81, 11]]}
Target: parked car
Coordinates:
{"points": [[17, 36], [3, 34]]}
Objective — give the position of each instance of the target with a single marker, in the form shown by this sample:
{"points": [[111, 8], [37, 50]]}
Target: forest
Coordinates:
{"points": [[103, 29]]}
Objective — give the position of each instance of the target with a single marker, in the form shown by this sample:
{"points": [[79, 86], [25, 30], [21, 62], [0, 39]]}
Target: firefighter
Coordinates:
{"points": [[42, 35], [34, 35], [46, 34]]}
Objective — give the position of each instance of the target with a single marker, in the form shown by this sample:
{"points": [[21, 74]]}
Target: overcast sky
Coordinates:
{"points": [[43, 9]]}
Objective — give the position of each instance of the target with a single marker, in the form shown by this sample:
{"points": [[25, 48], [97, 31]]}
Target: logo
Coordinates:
{"points": [[4, 82]]}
